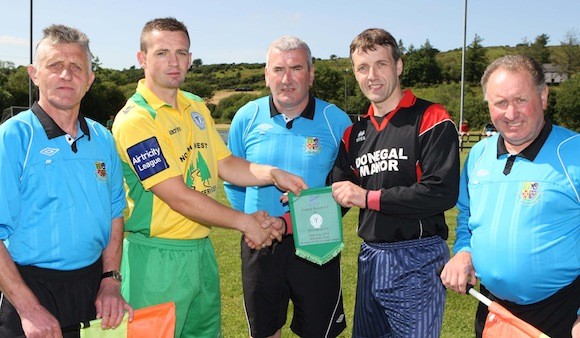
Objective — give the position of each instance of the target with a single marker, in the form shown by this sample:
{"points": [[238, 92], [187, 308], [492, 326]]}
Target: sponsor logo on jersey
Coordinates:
{"points": [[147, 158], [380, 161], [530, 192], [101, 170], [361, 136], [198, 120], [312, 145], [49, 151]]}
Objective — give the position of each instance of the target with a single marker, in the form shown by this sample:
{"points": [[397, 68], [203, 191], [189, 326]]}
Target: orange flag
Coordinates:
{"points": [[156, 321], [501, 323]]}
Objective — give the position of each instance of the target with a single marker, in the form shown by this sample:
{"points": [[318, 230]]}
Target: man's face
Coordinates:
{"points": [[516, 107], [166, 61], [289, 79], [63, 76], [377, 73]]}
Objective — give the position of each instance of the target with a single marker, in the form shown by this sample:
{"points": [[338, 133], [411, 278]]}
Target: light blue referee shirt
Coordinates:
{"points": [[58, 195], [306, 146], [522, 227]]}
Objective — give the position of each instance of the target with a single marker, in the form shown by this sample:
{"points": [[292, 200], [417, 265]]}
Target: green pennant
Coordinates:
{"points": [[317, 225]]}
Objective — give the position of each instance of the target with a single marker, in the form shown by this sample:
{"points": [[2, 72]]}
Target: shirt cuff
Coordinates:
{"points": [[286, 217], [374, 200]]}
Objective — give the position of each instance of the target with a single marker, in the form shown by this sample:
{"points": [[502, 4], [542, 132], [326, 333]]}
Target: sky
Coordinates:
{"points": [[230, 31]]}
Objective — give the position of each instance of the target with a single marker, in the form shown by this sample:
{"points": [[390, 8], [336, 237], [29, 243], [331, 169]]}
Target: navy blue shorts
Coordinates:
{"points": [[399, 292]]}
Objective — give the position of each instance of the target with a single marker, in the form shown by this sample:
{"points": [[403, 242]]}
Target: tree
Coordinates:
{"points": [[568, 105], [567, 57], [475, 60], [328, 84], [421, 67], [17, 85], [196, 63], [102, 100], [539, 50]]}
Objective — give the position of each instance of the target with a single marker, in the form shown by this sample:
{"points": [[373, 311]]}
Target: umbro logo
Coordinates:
{"points": [[49, 151]]}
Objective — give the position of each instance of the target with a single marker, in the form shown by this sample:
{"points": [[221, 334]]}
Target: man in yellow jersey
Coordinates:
{"points": [[172, 156]]}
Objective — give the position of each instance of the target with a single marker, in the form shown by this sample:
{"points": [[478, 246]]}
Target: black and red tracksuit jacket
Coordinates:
{"points": [[409, 160]]}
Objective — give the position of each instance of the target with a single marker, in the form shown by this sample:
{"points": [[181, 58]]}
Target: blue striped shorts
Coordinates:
{"points": [[399, 291]]}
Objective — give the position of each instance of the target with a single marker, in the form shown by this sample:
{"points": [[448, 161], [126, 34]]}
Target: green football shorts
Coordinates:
{"points": [[157, 270]]}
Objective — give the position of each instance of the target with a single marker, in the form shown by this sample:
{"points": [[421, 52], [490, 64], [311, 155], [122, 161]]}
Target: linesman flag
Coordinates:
{"points": [[156, 321], [500, 323]]}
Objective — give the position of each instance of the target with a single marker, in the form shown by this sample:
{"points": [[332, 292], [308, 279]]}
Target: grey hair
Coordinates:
{"points": [[61, 34], [288, 43], [516, 63]]}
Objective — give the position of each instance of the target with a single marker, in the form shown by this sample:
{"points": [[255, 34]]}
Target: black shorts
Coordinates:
{"points": [[553, 316], [273, 276], [68, 295]]}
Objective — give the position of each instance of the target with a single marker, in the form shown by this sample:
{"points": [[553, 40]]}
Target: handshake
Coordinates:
{"points": [[263, 230]]}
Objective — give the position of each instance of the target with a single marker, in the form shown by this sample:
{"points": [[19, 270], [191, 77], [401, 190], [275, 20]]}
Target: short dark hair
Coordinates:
{"points": [[370, 38], [162, 24]]}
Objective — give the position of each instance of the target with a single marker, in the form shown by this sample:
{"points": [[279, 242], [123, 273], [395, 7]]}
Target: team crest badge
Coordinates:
{"points": [[312, 145], [198, 120], [530, 192], [101, 171]]}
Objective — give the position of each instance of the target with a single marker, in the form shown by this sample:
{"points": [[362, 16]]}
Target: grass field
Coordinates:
{"points": [[459, 309]]}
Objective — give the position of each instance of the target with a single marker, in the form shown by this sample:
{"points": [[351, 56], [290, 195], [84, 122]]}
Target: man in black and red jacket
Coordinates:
{"points": [[400, 165]]}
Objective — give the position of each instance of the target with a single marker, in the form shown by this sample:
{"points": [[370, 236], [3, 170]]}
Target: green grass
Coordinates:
{"points": [[459, 309]]}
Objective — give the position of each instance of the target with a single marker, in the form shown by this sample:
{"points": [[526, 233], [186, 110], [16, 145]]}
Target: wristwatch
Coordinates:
{"points": [[116, 275]]}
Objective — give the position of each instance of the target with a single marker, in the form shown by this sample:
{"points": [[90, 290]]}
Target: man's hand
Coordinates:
{"points": [[576, 328], [40, 323], [458, 272], [110, 305], [288, 182], [276, 226], [349, 195]]}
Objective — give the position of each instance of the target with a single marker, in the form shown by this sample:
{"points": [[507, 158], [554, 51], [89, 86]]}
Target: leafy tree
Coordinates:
{"points": [[17, 85], [475, 60], [567, 57], [421, 67], [102, 100], [196, 63], [328, 84], [539, 50], [568, 105], [5, 99]]}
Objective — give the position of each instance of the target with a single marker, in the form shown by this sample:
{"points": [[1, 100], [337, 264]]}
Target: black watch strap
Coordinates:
{"points": [[116, 275]]}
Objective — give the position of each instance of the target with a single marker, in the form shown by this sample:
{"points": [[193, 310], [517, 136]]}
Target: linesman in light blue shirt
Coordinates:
{"points": [[61, 205], [518, 228]]}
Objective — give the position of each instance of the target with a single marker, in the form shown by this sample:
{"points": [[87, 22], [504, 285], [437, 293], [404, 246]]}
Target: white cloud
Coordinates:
{"points": [[13, 41]]}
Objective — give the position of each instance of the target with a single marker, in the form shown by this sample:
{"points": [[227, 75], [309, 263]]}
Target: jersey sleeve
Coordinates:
{"points": [[437, 187], [11, 155], [145, 149]]}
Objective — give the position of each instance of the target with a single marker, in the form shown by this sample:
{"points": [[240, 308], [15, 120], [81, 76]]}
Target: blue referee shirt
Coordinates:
{"points": [[59, 195], [306, 146], [522, 224]]}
